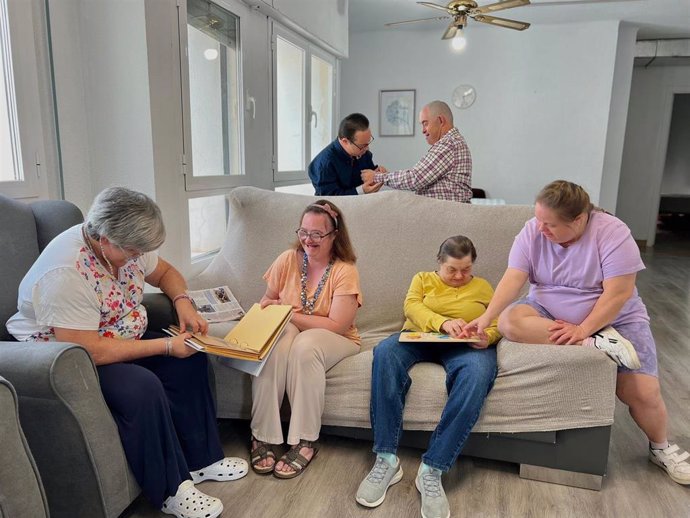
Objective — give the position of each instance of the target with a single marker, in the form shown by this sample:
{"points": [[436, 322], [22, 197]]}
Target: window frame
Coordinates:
{"points": [[23, 24], [193, 183], [281, 178]]}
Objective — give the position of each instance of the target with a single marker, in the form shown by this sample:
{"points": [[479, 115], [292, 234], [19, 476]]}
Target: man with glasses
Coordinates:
{"points": [[337, 169], [445, 172]]}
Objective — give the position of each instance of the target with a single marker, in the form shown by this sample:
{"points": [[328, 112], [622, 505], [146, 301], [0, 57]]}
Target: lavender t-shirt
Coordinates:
{"points": [[567, 281]]}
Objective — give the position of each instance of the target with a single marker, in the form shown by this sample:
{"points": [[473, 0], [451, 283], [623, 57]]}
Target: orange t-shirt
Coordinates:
{"points": [[283, 277]]}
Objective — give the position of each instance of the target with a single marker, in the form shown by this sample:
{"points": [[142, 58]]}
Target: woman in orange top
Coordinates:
{"points": [[318, 278]]}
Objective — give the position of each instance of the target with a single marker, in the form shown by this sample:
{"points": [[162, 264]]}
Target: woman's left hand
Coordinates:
{"points": [[190, 319], [565, 333], [483, 343]]}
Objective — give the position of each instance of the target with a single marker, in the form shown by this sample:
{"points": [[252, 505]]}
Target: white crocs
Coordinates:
{"points": [[189, 502], [229, 468]]}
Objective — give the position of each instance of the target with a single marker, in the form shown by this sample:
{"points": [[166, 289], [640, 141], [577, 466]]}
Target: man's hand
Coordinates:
{"points": [[368, 176], [381, 169], [368, 188]]}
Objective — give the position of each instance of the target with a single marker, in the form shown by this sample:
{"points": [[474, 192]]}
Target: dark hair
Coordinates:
{"points": [[342, 246], [567, 199], [352, 124], [457, 247]]}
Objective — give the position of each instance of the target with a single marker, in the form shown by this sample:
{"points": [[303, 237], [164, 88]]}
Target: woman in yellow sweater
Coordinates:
{"points": [[441, 301]]}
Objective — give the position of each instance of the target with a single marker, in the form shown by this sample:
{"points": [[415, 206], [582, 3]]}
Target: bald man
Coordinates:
{"points": [[445, 172]]}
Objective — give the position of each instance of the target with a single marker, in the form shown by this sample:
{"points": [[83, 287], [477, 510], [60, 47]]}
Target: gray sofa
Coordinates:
{"points": [[70, 431], [551, 408]]}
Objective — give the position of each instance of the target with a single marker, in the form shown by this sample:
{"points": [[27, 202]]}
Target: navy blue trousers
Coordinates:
{"points": [[166, 418]]}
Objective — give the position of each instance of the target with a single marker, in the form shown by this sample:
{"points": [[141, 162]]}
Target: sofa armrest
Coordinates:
{"points": [[69, 428], [160, 310]]}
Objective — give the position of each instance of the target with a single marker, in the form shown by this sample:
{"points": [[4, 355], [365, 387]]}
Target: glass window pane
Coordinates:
{"points": [[208, 222], [212, 42], [321, 104], [290, 105], [10, 149]]}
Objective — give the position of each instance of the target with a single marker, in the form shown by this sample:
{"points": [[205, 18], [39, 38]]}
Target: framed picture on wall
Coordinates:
{"points": [[396, 113]]}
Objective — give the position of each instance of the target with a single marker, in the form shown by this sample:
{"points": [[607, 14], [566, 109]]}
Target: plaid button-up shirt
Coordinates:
{"points": [[445, 172]]}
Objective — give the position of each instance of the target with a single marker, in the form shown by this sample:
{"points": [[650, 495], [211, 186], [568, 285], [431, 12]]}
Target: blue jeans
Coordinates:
{"points": [[470, 374]]}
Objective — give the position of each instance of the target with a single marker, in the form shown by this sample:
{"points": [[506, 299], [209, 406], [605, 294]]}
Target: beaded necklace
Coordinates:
{"points": [[308, 305]]}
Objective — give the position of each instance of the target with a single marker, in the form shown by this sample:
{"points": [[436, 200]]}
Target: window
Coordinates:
{"points": [[304, 95], [213, 137], [211, 110], [21, 128]]}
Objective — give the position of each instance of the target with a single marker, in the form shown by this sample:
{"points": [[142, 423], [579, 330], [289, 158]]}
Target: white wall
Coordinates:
{"points": [[646, 138], [102, 96], [676, 177], [543, 99]]}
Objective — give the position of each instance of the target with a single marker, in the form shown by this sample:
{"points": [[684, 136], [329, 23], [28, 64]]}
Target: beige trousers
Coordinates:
{"points": [[297, 366]]}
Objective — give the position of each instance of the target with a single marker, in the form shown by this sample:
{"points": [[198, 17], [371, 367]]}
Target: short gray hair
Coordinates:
{"points": [[127, 218], [437, 108]]}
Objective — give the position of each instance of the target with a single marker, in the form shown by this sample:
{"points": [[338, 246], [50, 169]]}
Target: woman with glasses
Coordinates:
{"points": [[318, 278], [87, 288]]}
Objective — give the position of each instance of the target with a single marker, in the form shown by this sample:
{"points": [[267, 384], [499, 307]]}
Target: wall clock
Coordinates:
{"points": [[464, 96]]}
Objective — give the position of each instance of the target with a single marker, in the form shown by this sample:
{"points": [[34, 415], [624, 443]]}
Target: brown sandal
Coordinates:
{"points": [[262, 451], [296, 461]]}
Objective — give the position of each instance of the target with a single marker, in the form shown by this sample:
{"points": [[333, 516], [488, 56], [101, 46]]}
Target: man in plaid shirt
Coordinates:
{"points": [[445, 172]]}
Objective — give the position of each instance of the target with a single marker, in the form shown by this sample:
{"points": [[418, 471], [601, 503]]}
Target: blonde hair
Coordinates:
{"points": [[567, 199], [342, 246]]}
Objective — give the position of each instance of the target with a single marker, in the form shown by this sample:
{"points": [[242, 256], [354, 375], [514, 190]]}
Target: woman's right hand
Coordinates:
{"points": [[476, 327], [179, 348]]}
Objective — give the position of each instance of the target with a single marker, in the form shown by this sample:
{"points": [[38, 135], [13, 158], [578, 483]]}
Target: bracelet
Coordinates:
{"points": [[180, 297], [168, 346]]}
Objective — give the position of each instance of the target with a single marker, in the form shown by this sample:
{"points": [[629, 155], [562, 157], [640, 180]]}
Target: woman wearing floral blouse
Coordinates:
{"points": [[87, 287]]}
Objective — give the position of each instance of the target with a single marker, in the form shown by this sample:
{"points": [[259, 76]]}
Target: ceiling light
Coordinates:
{"points": [[458, 42]]}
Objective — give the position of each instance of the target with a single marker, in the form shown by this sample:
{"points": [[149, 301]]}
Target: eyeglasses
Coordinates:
{"points": [[130, 255], [315, 236], [362, 147]]}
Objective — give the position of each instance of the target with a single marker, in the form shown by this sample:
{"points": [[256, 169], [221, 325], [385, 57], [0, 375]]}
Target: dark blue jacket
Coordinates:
{"points": [[333, 172]]}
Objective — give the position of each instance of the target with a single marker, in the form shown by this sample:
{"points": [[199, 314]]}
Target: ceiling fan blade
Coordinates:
{"points": [[502, 22], [434, 6], [499, 6], [393, 24], [450, 31]]}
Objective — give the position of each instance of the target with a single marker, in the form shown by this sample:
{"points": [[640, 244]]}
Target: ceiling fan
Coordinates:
{"points": [[461, 10]]}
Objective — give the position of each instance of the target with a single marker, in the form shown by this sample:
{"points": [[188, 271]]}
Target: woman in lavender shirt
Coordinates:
{"points": [[581, 264]]}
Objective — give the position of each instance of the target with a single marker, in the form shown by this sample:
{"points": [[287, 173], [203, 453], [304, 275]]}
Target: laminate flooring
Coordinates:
{"points": [[480, 488]]}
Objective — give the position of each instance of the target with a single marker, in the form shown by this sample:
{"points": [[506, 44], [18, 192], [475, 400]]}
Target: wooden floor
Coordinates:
{"points": [[482, 489]]}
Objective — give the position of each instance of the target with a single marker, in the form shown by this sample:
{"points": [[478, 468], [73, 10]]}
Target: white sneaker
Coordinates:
{"points": [[229, 468], [189, 502], [618, 348], [434, 501], [673, 460], [372, 490]]}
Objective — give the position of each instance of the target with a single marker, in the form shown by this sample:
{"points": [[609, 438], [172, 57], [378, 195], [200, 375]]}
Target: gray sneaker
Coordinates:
{"points": [[434, 501], [619, 349], [372, 490]]}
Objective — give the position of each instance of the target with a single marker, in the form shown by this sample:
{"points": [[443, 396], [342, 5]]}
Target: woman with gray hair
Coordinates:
{"points": [[87, 287]]}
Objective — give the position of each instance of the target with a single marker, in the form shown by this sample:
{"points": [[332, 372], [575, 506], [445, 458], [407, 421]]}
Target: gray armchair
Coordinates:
{"points": [[21, 491], [71, 433]]}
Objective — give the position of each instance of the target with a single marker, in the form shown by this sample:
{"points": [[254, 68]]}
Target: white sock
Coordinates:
{"points": [[390, 458], [659, 445]]}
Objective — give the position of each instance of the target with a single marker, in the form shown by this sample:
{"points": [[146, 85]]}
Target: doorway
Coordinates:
{"points": [[673, 221]]}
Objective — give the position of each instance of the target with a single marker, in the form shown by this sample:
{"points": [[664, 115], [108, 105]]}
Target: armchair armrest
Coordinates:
{"points": [[69, 428], [160, 310]]}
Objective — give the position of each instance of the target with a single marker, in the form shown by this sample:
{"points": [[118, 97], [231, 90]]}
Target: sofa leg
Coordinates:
{"points": [[559, 476]]}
